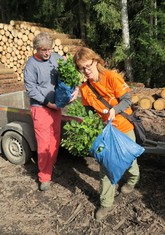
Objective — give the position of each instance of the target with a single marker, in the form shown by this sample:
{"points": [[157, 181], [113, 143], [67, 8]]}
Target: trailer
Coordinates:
{"points": [[17, 138]]}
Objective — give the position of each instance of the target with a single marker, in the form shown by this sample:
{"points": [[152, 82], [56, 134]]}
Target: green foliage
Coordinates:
{"points": [[68, 73], [147, 42], [108, 14], [51, 13], [103, 31], [17, 10], [80, 136], [98, 23], [76, 109], [119, 55]]}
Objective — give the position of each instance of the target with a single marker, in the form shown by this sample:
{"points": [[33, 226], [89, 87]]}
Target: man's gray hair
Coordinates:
{"points": [[42, 39]]}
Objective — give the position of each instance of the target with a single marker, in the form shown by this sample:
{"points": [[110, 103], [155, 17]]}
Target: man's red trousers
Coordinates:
{"points": [[47, 127]]}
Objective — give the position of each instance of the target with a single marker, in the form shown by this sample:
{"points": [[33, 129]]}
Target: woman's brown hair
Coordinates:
{"points": [[83, 54]]}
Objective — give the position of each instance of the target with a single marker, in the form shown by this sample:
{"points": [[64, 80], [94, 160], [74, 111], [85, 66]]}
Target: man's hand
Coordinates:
{"points": [[52, 106]]}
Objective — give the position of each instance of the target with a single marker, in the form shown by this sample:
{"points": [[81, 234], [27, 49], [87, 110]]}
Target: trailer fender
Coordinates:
{"points": [[23, 128]]}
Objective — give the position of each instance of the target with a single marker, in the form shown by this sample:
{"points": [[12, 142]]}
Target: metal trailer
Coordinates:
{"points": [[17, 139]]}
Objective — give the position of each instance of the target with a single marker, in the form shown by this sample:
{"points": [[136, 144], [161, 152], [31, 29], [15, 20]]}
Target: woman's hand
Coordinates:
{"points": [[74, 94], [111, 114]]}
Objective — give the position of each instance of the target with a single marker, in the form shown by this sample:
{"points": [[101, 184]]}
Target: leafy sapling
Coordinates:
{"points": [[68, 73], [79, 136], [69, 79]]}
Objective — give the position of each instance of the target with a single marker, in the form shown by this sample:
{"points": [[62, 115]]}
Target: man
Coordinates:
{"points": [[40, 75]]}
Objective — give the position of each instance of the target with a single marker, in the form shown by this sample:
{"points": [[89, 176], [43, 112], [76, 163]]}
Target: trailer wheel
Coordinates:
{"points": [[15, 148]]}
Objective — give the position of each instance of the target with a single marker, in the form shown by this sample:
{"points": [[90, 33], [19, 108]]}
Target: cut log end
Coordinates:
{"points": [[146, 102], [159, 104], [135, 98], [163, 93]]}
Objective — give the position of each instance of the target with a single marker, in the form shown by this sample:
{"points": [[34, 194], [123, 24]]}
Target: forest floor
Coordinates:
{"points": [[69, 206]]}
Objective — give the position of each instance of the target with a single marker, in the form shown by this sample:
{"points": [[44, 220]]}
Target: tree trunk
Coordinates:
{"points": [[126, 40]]}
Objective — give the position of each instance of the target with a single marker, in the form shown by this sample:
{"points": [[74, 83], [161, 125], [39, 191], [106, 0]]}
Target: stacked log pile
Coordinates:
{"points": [[9, 81], [150, 108], [147, 98], [16, 43]]}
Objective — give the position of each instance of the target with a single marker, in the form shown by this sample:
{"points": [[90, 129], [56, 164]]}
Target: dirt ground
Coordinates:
{"points": [[69, 207]]}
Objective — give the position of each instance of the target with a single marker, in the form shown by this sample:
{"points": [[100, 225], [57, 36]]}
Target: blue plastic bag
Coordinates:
{"points": [[62, 94], [115, 151]]}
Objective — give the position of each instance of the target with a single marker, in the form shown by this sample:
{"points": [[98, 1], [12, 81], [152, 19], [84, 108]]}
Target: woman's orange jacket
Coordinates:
{"points": [[111, 86]]}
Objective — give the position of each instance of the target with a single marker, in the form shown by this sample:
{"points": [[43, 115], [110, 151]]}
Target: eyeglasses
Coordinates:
{"points": [[88, 67]]}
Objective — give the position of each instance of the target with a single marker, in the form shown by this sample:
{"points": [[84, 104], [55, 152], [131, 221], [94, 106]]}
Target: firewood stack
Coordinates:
{"points": [[16, 44], [149, 106], [9, 81], [147, 98]]}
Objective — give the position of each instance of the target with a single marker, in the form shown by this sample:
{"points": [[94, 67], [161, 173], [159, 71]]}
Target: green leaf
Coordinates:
{"points": [[80, 136], [68, 73]]}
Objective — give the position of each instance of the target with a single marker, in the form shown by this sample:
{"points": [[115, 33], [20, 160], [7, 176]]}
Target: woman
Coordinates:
{"points": [[112, 87]]}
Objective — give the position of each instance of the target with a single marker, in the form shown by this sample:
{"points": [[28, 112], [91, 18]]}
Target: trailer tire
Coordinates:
{"points": [[15, 148]]}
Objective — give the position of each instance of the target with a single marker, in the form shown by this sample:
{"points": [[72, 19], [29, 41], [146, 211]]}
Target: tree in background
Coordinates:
{"points": [[18, 10], [147, 38], [99, 23], [126, 39]]}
